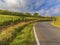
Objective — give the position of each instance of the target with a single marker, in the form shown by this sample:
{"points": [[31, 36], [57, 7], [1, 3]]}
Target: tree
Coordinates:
{"points": [[36, 14], [28, 14]]}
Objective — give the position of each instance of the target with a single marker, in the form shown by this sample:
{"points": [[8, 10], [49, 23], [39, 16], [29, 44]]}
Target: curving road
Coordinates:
{"points": [[47, 34]]}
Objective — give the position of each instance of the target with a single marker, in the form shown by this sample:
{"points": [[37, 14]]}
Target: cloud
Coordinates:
{"points": [[55, 11], [43, 7], [41, 12], [12, 4]]}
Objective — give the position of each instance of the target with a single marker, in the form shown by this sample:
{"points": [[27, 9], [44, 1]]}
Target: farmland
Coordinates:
{"points": [[17, 26], [5, 19]]}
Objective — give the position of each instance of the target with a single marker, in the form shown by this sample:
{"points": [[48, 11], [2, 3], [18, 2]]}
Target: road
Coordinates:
{"points": [[47, 34]]}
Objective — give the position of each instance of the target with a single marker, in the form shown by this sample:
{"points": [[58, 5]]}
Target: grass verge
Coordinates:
{"points": [[25, 37], [9, 34], [56, 24]]}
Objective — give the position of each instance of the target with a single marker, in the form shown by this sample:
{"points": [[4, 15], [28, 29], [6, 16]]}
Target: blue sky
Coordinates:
{"points": [[43, 7]]}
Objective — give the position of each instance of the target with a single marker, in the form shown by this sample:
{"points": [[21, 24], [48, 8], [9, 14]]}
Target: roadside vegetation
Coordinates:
{"points": [[57, 22], [25, 37]]}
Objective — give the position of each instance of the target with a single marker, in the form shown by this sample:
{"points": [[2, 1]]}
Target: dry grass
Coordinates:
{"points": [[57, 22]]}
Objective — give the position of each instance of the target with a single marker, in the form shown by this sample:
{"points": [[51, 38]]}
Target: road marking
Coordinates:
{"points": [[36, 38]]}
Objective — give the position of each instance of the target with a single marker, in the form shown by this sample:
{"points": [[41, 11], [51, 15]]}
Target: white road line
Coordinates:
{"points": [[36, 38]]}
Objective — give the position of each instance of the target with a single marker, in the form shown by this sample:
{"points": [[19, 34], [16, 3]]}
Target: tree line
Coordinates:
{"points": [[6, 12]]}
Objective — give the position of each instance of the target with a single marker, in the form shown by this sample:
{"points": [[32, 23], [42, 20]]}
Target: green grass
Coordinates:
{"points": [[6, 19], [8, 35], [57, 22], [25, 37], [16, 34]]}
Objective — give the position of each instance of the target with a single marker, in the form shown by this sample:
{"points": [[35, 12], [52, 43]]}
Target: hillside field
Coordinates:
{"points": [[21, 31]]}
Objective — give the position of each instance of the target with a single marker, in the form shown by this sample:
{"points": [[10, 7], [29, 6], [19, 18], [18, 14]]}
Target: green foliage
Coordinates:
{"points": [[36, 14], [7, 36], [19, 34], [6, 12], [6, 19], [25, 37], [28, 14]]}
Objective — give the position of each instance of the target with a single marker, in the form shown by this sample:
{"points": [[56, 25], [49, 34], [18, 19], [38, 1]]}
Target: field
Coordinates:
{"points": [[57, 22], [16, 33], [6, 20]]}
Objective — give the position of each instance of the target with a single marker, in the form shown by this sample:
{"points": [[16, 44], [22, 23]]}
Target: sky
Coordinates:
{"points": [[43, 7]]}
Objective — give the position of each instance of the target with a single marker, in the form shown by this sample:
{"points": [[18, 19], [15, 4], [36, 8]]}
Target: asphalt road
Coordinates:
{"points": [[47, 34]]}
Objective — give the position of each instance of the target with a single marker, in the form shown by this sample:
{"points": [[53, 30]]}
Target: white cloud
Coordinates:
{"points": [[32, 6], [14, 5], [41, 12], [54, 11], [19, 5], [51, 11], [39, 3]]}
